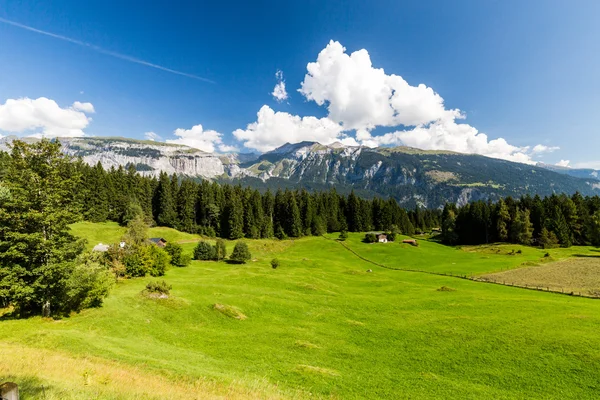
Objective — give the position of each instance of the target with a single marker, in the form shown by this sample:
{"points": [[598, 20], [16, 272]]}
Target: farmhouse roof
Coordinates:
{"points": [[101, 247]]}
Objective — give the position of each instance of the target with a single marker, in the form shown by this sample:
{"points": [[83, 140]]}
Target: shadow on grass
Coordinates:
{"points": [[30, 387], [235, 262], [587, 255]]}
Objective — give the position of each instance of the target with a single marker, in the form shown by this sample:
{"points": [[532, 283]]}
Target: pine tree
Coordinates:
{"points": [[186, 206], [593, 228], [37, 250], [240, 253], [166, 214], [449, 235], [234, 214], [293, 222], [522, 228], [220, 249], [548, 239], [561, 228], [502, 221]]}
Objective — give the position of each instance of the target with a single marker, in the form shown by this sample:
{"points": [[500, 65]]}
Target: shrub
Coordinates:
{"points": [[158, 287], [87, 286], [136, 262], [220, 249], [159, 260], [241, 253], [274, 263], [391, 236], [178, 259], [204, 251], [343, 235], [370, 238]]}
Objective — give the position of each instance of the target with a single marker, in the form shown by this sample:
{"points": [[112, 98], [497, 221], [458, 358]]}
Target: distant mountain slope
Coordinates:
{"points": [[586, 173], [412, 176]]}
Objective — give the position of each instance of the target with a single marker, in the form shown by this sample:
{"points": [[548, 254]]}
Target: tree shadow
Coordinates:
{"points": [[586, 256], [233, 262], [30, 387]]}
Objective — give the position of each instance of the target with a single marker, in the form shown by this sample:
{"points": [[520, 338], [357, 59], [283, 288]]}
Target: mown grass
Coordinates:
{"points": [[320, 326], [576, 275]]}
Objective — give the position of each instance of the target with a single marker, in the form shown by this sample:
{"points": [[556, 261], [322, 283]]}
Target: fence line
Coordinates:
{"points": [[465, 276]]}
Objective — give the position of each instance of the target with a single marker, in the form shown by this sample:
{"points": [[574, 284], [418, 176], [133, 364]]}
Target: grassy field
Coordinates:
{"points": [[318, 326], [577, 274]]}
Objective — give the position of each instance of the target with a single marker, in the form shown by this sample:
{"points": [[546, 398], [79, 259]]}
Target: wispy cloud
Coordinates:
{"points": [[104, 51]]}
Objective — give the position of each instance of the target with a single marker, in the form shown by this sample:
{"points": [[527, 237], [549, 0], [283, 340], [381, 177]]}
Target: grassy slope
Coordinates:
{"points": [[111, 232], [430, 256], [320, 323]]}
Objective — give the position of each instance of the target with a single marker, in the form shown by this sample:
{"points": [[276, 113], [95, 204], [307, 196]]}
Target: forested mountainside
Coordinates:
{"points": [[426, 178], [411, 176]]}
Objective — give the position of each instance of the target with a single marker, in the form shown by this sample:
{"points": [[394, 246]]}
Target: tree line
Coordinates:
{"points": [[556, 220], [233, 212]]}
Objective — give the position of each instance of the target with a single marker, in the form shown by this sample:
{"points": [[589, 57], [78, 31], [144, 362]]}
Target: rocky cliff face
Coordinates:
{"points": [[413, 177], [149, 158]]}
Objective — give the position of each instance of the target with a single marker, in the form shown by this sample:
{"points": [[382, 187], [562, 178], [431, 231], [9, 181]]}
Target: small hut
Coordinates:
{"points": [[160, 242], [412, 242], [381, 238]]}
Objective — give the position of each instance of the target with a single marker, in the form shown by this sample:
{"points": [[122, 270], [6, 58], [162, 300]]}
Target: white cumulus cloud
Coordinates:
{"points": [[563, 163], [279, 92], [152, 136], [540, 149], [199, 138], [87, 108], [448, 135], [361, 98], [43, 117], [273, 129]]}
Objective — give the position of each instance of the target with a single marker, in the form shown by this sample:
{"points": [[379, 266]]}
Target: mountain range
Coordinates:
{"points": [[412, 176]]}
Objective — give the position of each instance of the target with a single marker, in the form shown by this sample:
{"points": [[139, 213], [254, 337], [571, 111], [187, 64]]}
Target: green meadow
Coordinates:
{"points": [[319, 326]]}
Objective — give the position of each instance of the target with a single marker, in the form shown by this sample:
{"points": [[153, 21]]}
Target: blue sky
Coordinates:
{"points": [[523, 71]]}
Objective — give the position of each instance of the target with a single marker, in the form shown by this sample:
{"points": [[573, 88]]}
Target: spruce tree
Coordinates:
{"points": [[186, 206], [165, 202], [37, 250], [240, 253]]}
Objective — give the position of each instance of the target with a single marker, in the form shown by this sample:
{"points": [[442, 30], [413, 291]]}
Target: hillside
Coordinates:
{"points": [[586, 173], [319, 326], [412, 176]]}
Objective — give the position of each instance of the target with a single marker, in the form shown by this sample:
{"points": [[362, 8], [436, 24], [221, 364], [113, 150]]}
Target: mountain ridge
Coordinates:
{"points": [[427, 178]]}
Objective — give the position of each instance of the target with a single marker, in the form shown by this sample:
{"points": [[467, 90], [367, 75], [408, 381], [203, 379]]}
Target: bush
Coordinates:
{"points": [[158, 287], [274, 263], [159, 260], [370, 238], [136, 262], [343, 235], [204, 251], [87, 286], [391, 236], [220, 249], [178, 259], [241, 253]]}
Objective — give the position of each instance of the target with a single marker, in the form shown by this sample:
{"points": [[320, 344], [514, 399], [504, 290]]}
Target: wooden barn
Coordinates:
{"points": [[412, 242], [160, 242]]}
